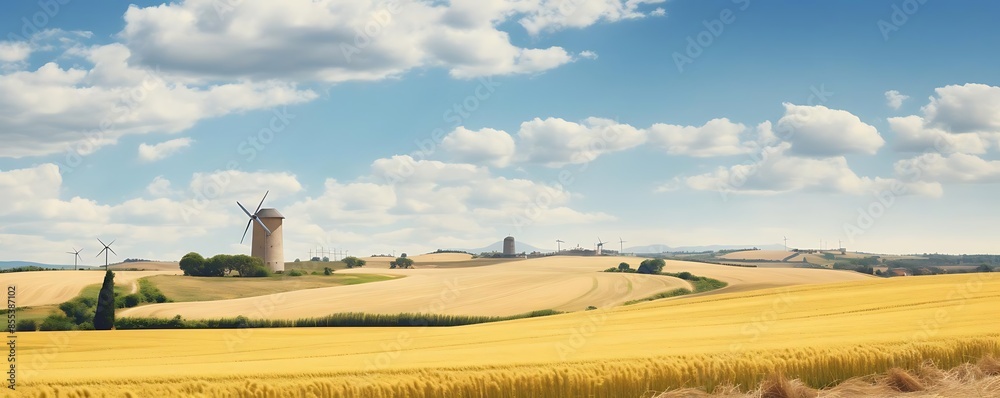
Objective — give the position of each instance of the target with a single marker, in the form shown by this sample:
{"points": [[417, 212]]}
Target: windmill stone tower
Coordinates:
{"points": [[270, 248], [508, 246]]}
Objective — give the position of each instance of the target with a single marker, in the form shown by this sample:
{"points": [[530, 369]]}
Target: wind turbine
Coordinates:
{"points": [[558, 247], [786, 243], [621, 245], [76, 256], [600, 245], [107, 248], [253, 217]]}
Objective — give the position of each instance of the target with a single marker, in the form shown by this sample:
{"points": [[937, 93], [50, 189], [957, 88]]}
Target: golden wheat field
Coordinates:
{"points": [[560, 283], [820, 334]]}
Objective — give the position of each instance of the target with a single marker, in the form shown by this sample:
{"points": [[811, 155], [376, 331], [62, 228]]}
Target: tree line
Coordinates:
{"points": [[193, 264]]}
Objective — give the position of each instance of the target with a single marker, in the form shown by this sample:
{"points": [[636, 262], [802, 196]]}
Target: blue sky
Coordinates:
{"points": [[573, 121]]}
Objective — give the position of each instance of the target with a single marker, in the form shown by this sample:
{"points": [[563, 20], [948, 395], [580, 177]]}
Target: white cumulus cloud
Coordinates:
{"points": [[163, 150], [717, 137], [894, 99], [14, 51], [823, 132], [967, 108], [489, 146]]}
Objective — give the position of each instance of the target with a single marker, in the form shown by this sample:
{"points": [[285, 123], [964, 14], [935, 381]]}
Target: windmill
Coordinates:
{"points": [[267, 241], [107, 248], [76, 257], [600, 245], [786, 243], [621, 245], [558, 245]]}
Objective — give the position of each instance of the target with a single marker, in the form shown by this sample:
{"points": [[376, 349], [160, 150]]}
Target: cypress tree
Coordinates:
{"points": [[104, 317]]}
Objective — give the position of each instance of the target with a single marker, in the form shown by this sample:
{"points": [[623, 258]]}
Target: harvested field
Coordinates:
{"points": [[561, 283], [147, 266], [54, 287], [769, 255]]}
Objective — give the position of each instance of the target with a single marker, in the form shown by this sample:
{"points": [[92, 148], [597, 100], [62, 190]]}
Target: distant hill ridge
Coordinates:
{"points": [[16, 264]]}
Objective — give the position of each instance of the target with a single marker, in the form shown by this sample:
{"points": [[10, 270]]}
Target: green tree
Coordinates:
{"points": [[218, 265], [404, 262], [104, 317], [984, 268], [326, 259], [623, 267], [246, 266], [651, 266], [353, 262], [403, 255], [327, 271], [192, 264]]}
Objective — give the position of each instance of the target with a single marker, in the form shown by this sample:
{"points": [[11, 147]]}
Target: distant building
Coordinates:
{"points": [[508, 246], [899, 272]]}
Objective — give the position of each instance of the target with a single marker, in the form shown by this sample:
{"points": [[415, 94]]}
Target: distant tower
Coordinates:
{"points": [[269, 248], [508, 246]]}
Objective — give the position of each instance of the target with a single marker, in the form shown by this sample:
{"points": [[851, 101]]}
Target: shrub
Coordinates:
{"points": [[651, 266], [77, 311], [27, 325], [258, 272], [684, 275], [623, 267], [327, 271], [294, 272], [132, 300], [150, 293], [353, 262], [56, 322]]}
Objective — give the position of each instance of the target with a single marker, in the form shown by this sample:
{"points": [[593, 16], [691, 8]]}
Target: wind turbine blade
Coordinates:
{"points": [[101, 252], [250, 221], [102, 242], [245, 210], [112, 250], [262, 203], [263, 226], [112, 242]]}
